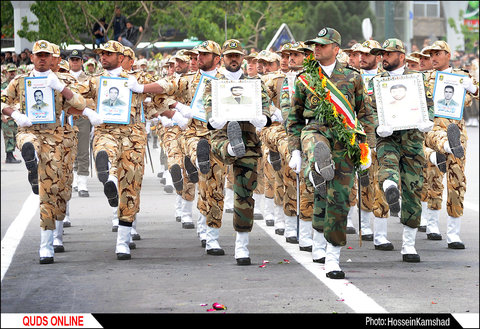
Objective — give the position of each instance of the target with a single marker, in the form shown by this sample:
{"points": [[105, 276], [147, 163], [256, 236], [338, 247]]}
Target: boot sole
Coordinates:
{"points": [[392, 195], [111, 193], [453, 135], [319, 183], [177, 179], [441, 162], [323, 158], [275, 160], [101, 164], [28, 154], [203, 156], [191, 170], [234, 134]]}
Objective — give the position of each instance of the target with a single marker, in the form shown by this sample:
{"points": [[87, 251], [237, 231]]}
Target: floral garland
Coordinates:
{"points": [[326, 112]]}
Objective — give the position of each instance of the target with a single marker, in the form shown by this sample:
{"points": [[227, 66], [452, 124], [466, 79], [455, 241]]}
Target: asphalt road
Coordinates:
{"points": [[171, 273]]}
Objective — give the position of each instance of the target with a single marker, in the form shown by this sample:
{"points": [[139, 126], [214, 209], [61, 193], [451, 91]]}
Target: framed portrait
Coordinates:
{"points": [[448, 95], [236, 100], [366, 80], [197, 103], [401, 101], [114, 100], [39, 100]]}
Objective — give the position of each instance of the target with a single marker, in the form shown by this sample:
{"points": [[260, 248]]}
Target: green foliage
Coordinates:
{"points": [[7, 19]]}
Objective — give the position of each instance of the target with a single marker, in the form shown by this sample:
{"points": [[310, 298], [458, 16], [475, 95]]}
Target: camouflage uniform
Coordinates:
{"points": [[9, 127], [454, 166]]}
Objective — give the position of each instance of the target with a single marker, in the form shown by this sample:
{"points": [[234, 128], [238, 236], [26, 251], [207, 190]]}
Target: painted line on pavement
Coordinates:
{"points": [[16, 230], [357, 300]]}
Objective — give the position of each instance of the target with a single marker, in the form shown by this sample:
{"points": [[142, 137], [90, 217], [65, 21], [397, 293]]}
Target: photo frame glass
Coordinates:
{"points": [[39, 100], [114, 100], [401, 101], [448, 95], [236, 100], [197, 104]]}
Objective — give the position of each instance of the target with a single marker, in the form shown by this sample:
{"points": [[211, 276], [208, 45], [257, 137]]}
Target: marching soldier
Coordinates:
{"points": [[238, 144], [327, 167], [448, 138], [42, 145], [9, 127], [393, 145]]}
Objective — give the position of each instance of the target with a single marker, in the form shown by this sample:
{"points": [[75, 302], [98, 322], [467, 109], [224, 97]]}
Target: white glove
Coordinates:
{"points": [[296, 161], [147, 127], [384, 131], [468, 85], [134, 86], [166, 122], [425, 126], [369, 162], [277, 116], [217, 124], [21, 119], [259, 122], [154, 121], [94, 117], [433, 158], [54, 83], [181, 121], [185, 110]]}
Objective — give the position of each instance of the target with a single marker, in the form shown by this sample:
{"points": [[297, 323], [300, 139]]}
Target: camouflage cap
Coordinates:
{"points": [[417, 54], [412, 59], [91, 61], [192, 52], [264, 55], [64, 65], [354, 48], [142, 61], [127, 51], [438, 45], [232, 46], [299, 47], [390, 45], [181, 55], [56, 50], [11, 67], [42, 46], [110, 46], [326, 36], [252, 55], [285, 48], [209, 46], [368, 45], [275, 57]]}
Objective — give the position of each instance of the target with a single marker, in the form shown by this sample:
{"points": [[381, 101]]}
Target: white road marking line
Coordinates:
{"points": [[16, 230], [357, 300]]}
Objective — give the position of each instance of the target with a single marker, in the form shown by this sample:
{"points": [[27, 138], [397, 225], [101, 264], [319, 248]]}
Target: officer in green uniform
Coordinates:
{"points": [[328, 166], [9, 126], [392, 146]]}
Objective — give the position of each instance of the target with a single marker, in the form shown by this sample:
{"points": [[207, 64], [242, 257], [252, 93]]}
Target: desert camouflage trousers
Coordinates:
{"points": [[173, 141], [125, 147], [401, 159], [55, 150], [330, 213]]}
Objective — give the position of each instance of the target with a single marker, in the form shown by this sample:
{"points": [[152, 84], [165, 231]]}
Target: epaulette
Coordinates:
{"points": [[348, 66]]}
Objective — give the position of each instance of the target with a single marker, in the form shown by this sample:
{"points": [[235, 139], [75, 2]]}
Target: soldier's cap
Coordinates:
{"points": [[285, 48], [209, 46], [76, 54], [438, 45], [412, 59], [353, 48], [127, 51], [368, 45], [142, 61], [181, 56], [110, 46], [417, 54], [56, 50], [265, 55], [192, 52], [64, 65], [326, 36], [306, 48], [252, 55], [390, 45], [232, 46], [42, 46], [91, 61], [11, 67], [299, 47]]}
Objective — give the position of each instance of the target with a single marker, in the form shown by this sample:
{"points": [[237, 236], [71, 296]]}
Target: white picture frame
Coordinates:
{"points": [[226, 108], [197, 104], [39, 101], [114, 100], [366, 77], [448, 95], [401, 102]]}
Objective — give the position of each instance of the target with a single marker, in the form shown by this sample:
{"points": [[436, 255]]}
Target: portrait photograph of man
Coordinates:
{"points": [[237, 96], [40, 101], [448, 95], [114, 100]]}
